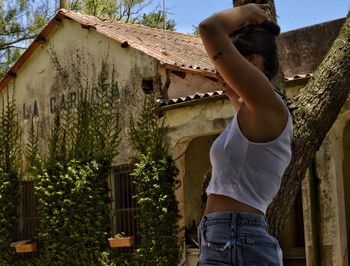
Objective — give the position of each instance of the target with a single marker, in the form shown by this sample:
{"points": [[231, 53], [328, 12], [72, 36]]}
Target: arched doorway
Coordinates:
{"points": [[197, 164]]}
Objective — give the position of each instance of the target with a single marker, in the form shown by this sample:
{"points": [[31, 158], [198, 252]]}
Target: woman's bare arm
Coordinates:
{"points": [[262, 115], [246, 80]]}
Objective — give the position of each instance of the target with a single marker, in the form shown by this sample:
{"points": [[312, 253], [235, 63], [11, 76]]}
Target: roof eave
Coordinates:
{"points": [[62, 13], [57, 19], [39, 40], [197, 71]]}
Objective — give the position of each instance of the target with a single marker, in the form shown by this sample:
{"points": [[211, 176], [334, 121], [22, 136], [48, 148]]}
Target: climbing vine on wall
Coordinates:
{"points": [[10, 158], [154, 177], [72, 189]]}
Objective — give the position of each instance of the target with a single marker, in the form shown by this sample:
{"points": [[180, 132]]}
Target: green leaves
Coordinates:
{"points": [[124, 10], [20, 22], [148, 132], [74, 211], [10, 134], [10, 153], [71, 188], [91, 132], [156, 20], [154, 177]]}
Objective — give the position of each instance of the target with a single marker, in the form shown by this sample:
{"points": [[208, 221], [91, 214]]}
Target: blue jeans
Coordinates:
{"points": [[237, 239]]}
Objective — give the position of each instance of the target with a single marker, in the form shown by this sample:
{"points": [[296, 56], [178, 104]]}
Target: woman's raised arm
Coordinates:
{"points": [[243, 77], [247, 72]]}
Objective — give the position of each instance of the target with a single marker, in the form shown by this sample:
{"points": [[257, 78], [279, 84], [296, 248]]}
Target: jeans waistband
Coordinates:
{"points": [[237, 218]]}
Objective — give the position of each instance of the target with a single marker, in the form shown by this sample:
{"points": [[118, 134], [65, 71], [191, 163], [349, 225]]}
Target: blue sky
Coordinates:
{"points": [[292, 14]]}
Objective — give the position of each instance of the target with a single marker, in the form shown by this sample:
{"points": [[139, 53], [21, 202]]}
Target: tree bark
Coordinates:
{"points": [[314, 110], [64, 4]]}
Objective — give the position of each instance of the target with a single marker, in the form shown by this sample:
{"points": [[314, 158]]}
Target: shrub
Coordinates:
{"points": [[154, 177], [10, 154]]}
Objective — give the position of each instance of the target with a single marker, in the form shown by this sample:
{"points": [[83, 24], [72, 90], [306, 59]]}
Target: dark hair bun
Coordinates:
{"points": [[272, 27]]}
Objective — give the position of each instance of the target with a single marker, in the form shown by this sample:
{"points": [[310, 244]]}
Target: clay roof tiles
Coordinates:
{"points": [[184, 51]]}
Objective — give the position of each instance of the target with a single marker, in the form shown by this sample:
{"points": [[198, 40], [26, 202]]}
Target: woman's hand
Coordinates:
{"points": [[231, 19], [254, 13]]}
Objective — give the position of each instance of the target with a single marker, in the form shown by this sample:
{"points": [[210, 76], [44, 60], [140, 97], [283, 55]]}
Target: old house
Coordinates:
{"points": [[70, 53]]}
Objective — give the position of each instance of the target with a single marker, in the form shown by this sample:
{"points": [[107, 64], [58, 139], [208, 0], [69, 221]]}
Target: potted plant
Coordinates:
{"points": [[120, 240], [25, 246]]}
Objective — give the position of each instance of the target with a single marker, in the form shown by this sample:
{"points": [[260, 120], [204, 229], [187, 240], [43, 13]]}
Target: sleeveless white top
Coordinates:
{"points": [[247, 171]]}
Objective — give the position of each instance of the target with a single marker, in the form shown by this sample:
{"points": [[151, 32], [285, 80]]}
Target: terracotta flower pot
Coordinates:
{"points": [[126, 241], [25, 246]]}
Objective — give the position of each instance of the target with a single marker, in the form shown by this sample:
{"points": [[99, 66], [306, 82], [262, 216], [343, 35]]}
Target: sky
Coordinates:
{"points": [[292, 14]]}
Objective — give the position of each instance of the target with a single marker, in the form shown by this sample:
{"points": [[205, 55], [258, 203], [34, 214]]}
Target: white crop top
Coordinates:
{"points": [[247, 171]]}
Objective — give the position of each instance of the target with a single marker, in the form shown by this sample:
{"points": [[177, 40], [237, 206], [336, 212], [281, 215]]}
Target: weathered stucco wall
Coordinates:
{"points": [[197, 165], [69, 60], [329, 188], [346, 175], [332, 167], [184, 84], [205, 118]]}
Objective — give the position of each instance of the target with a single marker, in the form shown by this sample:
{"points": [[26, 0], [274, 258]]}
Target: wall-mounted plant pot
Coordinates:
{"points": [[25, 246], [121, 242], [192, 256]]}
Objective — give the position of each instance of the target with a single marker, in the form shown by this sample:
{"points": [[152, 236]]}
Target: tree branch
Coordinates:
{"points": [[8, 45], [7, 33], [15, 47]]}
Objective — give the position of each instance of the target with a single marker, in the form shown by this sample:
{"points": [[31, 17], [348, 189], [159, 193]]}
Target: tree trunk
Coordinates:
{"points": [[64, 4], [314, 110]]}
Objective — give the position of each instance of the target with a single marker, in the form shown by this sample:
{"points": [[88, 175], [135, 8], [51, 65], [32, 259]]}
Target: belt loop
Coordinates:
{"points": [[266, 223], [233, 224], [205, 218], [234, 220]]}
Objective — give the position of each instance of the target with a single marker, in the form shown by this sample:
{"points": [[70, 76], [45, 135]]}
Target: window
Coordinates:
{"points": [[124, 203], [292, 238], [28, 219]]}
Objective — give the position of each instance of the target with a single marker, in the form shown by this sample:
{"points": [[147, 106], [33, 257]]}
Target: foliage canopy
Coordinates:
{"points": [[20, 21]]}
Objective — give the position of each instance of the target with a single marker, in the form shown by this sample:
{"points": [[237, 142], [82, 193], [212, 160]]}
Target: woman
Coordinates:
{"points": [[250, 156]]}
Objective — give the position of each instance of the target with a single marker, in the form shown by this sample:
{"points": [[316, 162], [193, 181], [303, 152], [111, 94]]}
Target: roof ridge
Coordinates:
{"points": [[184, 52], [136, 25]]}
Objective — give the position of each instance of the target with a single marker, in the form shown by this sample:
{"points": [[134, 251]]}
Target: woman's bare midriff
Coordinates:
{"points": [[220, 203]]}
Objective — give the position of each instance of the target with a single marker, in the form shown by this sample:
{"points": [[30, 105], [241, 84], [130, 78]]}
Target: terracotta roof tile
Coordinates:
{"points": [[183, 50], [181, 101], [190, 98]]}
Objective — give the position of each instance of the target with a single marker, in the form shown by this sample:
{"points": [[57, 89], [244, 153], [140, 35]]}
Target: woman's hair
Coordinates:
{"points": [[259, 39]]}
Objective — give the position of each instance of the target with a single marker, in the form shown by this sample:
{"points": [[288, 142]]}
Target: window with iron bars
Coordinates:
{"points": [[125, 208], [28, 219]]}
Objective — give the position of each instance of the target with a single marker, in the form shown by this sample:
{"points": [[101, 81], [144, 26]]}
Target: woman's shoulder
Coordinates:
{"points": [[264, 124]]}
